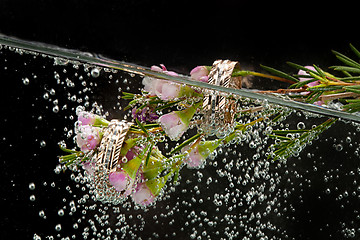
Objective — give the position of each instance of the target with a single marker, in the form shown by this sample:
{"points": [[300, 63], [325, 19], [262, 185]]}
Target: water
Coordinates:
{"points": [[238, 194]]}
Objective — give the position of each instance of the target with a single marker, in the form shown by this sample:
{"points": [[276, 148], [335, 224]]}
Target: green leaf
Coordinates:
{"points": [[297, 66], [186, 142], [328, 88], [346, 69], [279, 137], [316, 97], [279, 73], [354, 90], [320, 71], [67, 150], [349, 79], [176, 175], [167, 105], [132, 167], [286, 147], [127, 95], [141, 127], [148, 154], [303, 83], [355, 50], [348, 61], [155, 185], [353, 100], [284, 132]]}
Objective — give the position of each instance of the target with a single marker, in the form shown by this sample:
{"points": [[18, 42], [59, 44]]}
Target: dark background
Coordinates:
{"points": [[184, 34], [180, 35]]}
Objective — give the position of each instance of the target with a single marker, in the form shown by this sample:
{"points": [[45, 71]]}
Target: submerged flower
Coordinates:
{"points": [[88, 137], [143, 195], [144, 115], [89, 167], [119, 179], [123, 179], [200, 73], [165, 90], [86, 118], [146, 192], [199, 152], [176, 123]]}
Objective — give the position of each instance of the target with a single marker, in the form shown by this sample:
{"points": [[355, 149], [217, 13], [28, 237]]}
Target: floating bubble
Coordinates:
{"points": [[58, 227], [42, 143], [32, 186], [32, 198], [26, 81], [95, 72]]}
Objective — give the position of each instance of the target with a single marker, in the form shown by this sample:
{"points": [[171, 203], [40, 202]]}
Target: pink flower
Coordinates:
{"points": [[87, 137], [302, 72], [176, 123], [86, 118], [195, 159], [172, 125], [143, 195], [163, 70], [89, 167], [120, 180], [165, 90], [123, 180], [146, 192], [200, 151], [200, 73]]}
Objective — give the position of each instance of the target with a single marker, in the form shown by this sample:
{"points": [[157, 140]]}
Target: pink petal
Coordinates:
{"points": [[302, 72], [156, 68], [163, 67], [204, 79], [171, 73], [143, 196], [198, 72], [172, 125], [89, 168], [149, 84], [195, 159], [169, 91], [119, 180]]}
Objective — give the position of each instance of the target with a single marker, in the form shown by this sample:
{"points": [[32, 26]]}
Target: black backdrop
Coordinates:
{"points": [[179, 35], [184, 34]]}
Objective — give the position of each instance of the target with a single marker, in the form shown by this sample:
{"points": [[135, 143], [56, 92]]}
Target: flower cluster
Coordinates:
{"points": [[165, 110]]}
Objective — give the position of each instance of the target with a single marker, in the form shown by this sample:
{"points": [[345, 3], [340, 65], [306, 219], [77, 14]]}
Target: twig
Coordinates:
{"points": [[338, 95]]}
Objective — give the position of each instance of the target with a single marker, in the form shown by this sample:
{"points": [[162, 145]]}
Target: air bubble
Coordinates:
{"points": [[32, 186], [300, 125], [42, 143], [42, 214], [58, 227], [95, 72], [26, 81], [61, 212], [339, 147], [32, 198], [56, 109]]}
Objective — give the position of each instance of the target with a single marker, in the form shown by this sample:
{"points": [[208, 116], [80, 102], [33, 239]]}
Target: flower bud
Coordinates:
{"points": [[200, 73]]}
